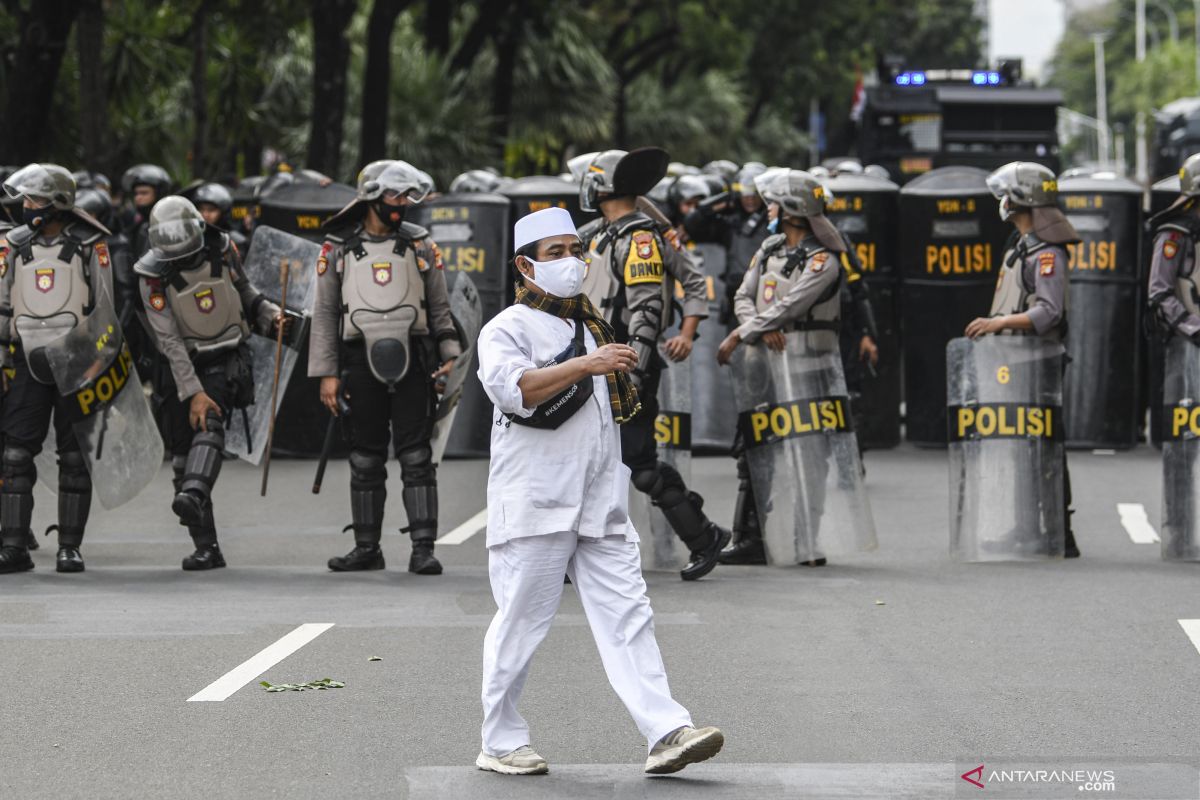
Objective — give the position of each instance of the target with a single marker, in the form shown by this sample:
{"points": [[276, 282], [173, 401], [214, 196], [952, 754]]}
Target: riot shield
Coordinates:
{"points": [[468, 319], [1106, 286], [1004, 412], [246, 429], [794, 418], [713, 409], [1181, 451], [112, 420], [673, 433]]}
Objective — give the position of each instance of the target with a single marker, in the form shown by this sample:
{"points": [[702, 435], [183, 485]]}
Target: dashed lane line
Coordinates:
{"points": [[1136, 523], [256, 665], [465, 531]]}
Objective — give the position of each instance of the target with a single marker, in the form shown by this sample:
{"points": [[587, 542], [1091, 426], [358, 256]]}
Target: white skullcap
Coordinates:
{"points": [[539, 225]]}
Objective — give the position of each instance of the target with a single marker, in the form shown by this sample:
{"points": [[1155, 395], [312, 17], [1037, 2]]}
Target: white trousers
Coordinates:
{"points": [[527, 582]]}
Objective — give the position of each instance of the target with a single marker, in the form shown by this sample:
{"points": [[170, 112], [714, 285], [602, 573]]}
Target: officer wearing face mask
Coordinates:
{"points": [[215, 203], [200, 308], [54, 269], [630, 275], [382, 341], [143, 185]]}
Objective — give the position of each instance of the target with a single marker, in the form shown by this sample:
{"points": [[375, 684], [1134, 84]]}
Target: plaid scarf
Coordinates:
{"points": [[622, 395]]}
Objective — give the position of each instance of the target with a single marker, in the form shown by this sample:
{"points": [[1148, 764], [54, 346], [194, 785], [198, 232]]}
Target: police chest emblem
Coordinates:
{"points": [[1170, 248], [1046, 263], [382, 273], [205, 301], [44, 279], [644, 263], [769, 291]]}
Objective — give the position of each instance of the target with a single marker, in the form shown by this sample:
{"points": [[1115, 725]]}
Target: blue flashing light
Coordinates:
{"points": [[918, 78], [979, 78], [904, 79], [993, 78]]}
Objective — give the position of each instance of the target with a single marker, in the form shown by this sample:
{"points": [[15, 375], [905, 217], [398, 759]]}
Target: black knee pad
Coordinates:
{"points": [[416, 466], [19, 470], [204, 459], [368, 470], [73, 475], [663, 484]]}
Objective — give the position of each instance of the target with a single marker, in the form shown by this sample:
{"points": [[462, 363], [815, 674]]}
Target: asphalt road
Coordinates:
{"points": [[885, 674]]}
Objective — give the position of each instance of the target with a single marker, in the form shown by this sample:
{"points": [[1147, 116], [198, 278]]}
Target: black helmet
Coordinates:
{"points": [[689, 187], [214, 194], [150, 175], [621, 174], [95, 201]]}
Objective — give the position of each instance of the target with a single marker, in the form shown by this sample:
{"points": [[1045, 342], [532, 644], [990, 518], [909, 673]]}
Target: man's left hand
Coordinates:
{"points": [[678, 347], [981, 326], [868, 350], [439, 377], [725, 351]]}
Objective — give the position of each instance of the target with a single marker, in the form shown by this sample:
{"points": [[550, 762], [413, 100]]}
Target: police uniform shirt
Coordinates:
{"points": [[783, 309], [328, 306], [543, 481], [156, 301], [90, 251], [639, 259], [1034, 284], [1173, 285]]}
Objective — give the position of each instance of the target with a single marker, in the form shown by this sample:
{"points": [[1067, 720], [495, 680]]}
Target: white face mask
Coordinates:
{"points": [[562, 277]]}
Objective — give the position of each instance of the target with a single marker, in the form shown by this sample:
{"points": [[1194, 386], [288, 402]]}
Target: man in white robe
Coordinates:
{"points": [[557, 505]]}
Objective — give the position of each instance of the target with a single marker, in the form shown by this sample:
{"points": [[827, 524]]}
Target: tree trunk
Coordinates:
{"points": [[44, 29], [438, 14], [331, 55], [507, 45], [200, 91], [377, 79], [93, 100]]}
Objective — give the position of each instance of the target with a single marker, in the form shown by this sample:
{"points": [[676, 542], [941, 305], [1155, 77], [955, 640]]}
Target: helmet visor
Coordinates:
{"points": [[34, 182]]}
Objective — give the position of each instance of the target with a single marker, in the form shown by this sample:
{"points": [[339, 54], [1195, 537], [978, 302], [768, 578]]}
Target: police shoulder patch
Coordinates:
{"points": [[817, 262], [102, 255], [644, 264], [1170, 246], [1046, 263], [323, 258], [3, 261]]}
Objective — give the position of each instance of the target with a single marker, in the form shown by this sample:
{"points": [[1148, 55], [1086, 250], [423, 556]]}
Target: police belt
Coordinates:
{"points": [[814, 325], [560, 408]]}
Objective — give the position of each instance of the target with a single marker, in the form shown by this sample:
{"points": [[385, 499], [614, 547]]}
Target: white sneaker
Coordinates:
{"points": [[684, 746], [522, 761]]}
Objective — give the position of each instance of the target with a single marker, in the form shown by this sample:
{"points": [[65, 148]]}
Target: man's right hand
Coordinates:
{"points": [[330, 387], [611, 358], [198, 410]]}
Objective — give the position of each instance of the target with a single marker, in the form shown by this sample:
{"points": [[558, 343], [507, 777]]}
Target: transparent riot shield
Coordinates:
{"points": [[467, 311], [112, 420], [1181, 451], [673, 434], [794, 419], [246, 429], [1004, 411]]}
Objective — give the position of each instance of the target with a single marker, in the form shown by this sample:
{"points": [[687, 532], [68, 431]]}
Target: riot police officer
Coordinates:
{"points": [[793, 284], [740, 227], [1031, 293], [201, 309], [1173, 282], [382, 339], [143, 186], [631, 268], [53, 270], [215, 204]]}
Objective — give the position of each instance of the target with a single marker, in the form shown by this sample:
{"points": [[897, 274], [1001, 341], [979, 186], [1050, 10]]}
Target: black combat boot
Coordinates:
{"points": [[207, 556], [747, 547], [14, 558], [422, 561], [365, 555], [69, 559], [704, 558]]}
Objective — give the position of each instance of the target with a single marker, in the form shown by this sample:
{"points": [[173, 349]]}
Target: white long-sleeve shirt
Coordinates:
{"points": [[548, 481]]}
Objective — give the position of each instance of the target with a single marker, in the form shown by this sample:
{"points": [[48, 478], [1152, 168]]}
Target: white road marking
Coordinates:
{"points": [[1103, 452], [465, 531], [247, 671], [1192, 628], [1137, 524]]}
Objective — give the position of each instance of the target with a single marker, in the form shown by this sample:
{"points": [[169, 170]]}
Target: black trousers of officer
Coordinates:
{"points": [[404, 416], [196, 454], [662, 482], [28, 409]]}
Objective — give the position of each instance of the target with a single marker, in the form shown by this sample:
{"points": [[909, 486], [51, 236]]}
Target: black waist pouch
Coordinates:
{"points": [[560, 408]]}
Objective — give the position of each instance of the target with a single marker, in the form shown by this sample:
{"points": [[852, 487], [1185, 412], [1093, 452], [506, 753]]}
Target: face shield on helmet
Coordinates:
{"points": [[475, 180], [796, 192], [743, 181], [578, 165], [597, 178], [1189, 176], [176, 229], [394, 179], [44, 184]]}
